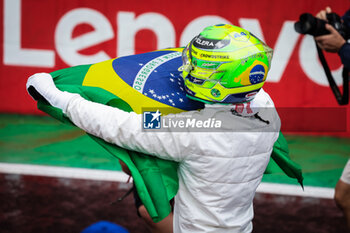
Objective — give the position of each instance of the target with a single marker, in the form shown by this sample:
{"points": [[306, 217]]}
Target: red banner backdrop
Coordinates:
{"points": [[46, 35]]}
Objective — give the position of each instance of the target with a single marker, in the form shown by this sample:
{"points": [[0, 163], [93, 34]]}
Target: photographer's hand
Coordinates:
{"points": [[323, 13], [331, 42]]}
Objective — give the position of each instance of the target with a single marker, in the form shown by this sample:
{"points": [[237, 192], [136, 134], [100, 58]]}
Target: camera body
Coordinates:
{"points": [[308, 24]]}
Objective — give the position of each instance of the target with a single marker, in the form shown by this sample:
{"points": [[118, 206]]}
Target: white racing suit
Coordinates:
{"points": [[218, 172]]}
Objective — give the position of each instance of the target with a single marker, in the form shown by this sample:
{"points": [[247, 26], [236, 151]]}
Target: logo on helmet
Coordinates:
{"points": [[257, 74], [204, 43], [215, 92], [209, 65], [204, 55], [243, 37], [250, 96]]}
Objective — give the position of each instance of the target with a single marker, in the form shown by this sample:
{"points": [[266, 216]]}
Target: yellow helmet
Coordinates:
{"points": [[225, 64]]}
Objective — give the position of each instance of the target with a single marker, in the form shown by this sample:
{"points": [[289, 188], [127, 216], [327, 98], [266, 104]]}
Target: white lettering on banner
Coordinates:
{"points": [[68, 47], [13, 53], [283, 48], [197, 25], [311, 66], [252, 25], [128, 26]]}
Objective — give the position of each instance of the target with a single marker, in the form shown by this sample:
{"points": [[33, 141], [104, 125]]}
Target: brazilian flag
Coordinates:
{"points": [[132, 83]]}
